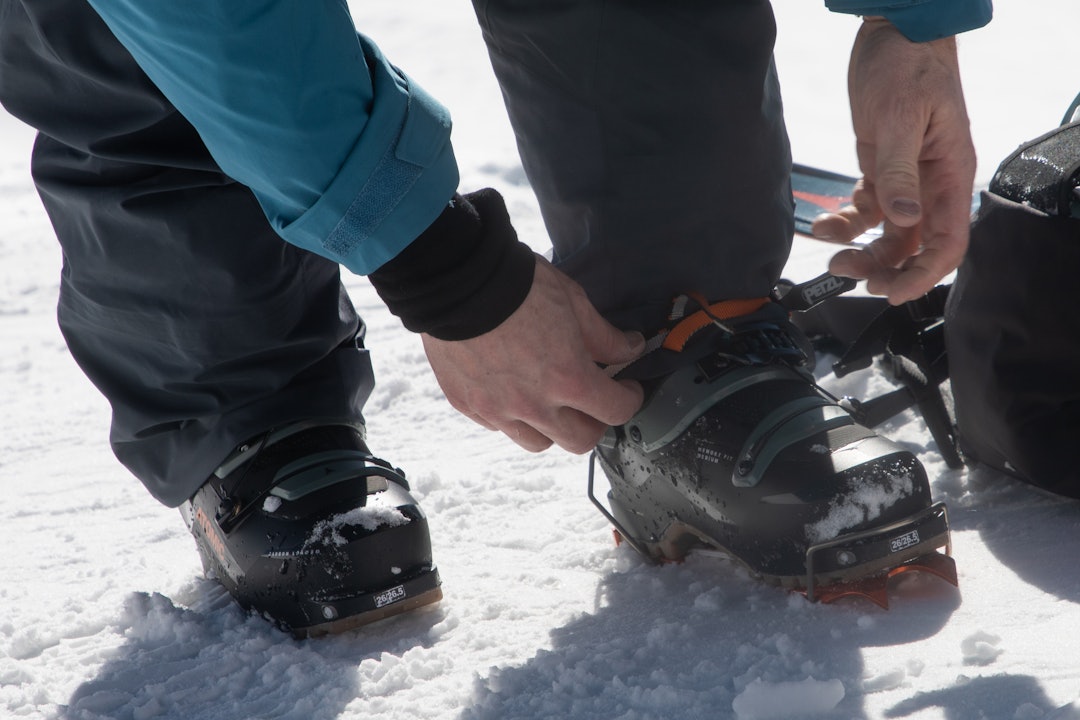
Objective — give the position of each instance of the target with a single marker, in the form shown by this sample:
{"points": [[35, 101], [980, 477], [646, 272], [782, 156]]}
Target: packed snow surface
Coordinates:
{"points": [[104, 612]]}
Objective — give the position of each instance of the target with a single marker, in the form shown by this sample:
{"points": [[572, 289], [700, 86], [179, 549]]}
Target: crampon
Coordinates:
{"points": [[737, 449]]}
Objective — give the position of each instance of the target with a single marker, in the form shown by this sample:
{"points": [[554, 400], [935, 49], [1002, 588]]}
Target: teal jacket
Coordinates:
{"points": [[922, 20], [348, 157]]}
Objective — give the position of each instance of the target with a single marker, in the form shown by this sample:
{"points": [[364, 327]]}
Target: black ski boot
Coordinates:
{"points": [[737, 449], [304, 526]]}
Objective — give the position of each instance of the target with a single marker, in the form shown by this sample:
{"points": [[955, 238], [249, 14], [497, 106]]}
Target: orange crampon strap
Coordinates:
{"points": [[709, 314], [686, 326]]}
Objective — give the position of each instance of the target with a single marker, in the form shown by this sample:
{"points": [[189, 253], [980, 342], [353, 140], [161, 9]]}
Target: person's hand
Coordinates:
{"points": [[918, 163], [535, 377]]}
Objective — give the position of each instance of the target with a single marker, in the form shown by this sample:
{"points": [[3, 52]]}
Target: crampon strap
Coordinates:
{"points": [[909, 338], [738, 332], [709, 314]]}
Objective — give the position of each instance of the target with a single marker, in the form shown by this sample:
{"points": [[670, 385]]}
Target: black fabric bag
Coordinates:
{"points": [[1012, 325]]}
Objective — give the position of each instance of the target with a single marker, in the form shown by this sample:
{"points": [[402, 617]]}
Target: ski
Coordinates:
{"points": [[818, 191]]}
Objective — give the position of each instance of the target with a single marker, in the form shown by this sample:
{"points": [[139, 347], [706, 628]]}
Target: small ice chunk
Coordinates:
{"points": [[765, 700], [980, 648], [271, 503], [886, 681]]}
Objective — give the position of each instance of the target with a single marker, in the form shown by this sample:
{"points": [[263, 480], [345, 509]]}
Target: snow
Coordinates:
{"points": [[369, 517], [865, 502], [980, 648], [104, 613], [762, 701]]}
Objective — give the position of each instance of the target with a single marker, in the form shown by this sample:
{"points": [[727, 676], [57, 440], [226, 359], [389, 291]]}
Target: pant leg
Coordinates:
{"points": [[653, 135], [199, 324]]}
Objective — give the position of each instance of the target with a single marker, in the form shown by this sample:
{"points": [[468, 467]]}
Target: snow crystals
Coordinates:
{"points": [[866, 502], [369, 517]]}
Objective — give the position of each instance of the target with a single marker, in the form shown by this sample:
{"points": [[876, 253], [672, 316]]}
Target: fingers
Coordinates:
{"points": [[862, 265], [535, 377], [941, 254], [879, 262], [604, 343], [575, 422], [904, 263], [527, 437], [896, 173], [907, 262], [574, 411], [916, 279], [944, 232], [893, 194], [610, 402], [851, 221]]}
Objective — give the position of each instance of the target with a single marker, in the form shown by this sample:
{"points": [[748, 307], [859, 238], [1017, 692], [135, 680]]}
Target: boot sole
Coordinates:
{"points": [[359, 620], [883, 543]]}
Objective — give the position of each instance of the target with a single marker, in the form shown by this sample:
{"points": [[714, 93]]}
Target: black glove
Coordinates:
{"points": [[462, 276]]}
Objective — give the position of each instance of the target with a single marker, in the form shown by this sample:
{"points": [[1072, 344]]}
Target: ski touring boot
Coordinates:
{"points": [[305, 527], [737, 449]]}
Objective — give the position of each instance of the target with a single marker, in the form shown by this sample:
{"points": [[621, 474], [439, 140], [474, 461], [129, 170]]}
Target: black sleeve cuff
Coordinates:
{"points": [[464, 275]]}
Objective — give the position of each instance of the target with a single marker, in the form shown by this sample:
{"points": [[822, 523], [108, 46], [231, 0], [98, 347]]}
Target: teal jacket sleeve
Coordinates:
{"points": [[348, 157], [922, 20]]}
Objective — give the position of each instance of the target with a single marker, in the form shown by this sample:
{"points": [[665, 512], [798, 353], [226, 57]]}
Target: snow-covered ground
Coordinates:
{"points": [[104, 614]]}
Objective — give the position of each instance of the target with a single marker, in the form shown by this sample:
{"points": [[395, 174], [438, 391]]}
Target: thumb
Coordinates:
{"points": [[606, 343], [897, 178]]}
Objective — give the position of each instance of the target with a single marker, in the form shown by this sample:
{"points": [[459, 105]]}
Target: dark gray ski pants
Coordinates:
{"points": [[198, 323], [651, 131]]}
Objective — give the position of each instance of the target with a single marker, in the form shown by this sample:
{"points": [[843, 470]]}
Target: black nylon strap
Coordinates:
{"points": [[910, 338]]}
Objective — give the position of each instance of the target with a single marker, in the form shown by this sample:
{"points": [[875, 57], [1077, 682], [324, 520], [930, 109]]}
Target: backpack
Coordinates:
{"points": [[1012, 332], [992, 362]]}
